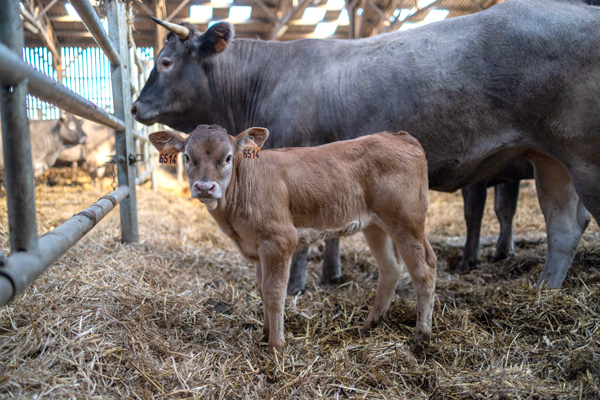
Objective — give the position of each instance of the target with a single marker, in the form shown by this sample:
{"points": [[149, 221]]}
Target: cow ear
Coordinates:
{"points": [[256, 135], [167, 140], [215, 39]]}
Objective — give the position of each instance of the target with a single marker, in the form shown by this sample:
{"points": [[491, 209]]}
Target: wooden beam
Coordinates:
{"points": [[47, 34], [161, 33], [177, 10], [389, 11], [45, 10], [282, 26], [413, 17], [270, 14]]}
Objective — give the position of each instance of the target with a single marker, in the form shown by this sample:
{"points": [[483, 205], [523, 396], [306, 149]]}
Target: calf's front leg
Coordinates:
{"points": [[275, 256]]}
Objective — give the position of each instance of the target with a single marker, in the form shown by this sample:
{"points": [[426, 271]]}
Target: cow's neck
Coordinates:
{"points": [[240, 80]]}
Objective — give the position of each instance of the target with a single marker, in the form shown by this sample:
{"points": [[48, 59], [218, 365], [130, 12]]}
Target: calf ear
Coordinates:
{"points": [[258, 135], [167, 140], [214, 40]]}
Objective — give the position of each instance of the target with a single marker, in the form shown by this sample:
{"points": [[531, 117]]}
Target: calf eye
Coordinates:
{"points": [[166, 62], [228, 158], [187, 159]]}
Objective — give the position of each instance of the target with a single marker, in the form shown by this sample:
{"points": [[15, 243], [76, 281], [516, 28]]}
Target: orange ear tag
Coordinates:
{"points": [[251, 151], [167, 156]]}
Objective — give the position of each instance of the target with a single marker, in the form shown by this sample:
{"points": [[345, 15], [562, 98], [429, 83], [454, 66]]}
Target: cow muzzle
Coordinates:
{"points": [[203, 190], [144, 116]]}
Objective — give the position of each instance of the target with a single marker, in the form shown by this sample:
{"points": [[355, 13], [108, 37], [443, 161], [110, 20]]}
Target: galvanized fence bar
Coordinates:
{"points": [[18, 166], [92, 23], [30, 255], [21, 269], [13, 70], [126, 156]]}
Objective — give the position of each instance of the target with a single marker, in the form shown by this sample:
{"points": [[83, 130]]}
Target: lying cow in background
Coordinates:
{"points": [[289, 198], [49, 138], [95, 153], [477, 91]]}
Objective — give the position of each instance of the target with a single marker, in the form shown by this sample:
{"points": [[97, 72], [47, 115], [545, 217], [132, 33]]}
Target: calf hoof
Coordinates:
{"points": [[265, 337], [466, 266], [420, 342], [276, 348]]}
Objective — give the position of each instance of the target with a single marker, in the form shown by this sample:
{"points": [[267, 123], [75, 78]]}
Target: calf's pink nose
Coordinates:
{"points": [[208, 187]]}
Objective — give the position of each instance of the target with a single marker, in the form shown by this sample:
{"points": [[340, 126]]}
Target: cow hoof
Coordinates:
{"points": [[336, 280], [499, 256], [294, 289], [466, 266]]}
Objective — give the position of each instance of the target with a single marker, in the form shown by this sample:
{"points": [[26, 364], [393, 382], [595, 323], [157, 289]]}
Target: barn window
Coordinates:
{"points": [[314, 14], [71, 10], [435, 15], [325, 29], [343, 18], [201, 12], [239, 13], [335, 4], [401, 14]]}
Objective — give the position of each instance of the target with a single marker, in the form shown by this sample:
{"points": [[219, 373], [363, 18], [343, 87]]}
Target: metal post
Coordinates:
{"points": [[117, 26], [18, 167]]}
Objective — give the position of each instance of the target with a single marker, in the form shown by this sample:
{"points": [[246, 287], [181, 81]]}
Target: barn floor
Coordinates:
{"points": [[177, 315]]}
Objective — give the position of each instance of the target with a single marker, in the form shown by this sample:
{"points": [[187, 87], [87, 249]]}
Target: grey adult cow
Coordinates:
{"points": [[49, 138], [521, 79]]}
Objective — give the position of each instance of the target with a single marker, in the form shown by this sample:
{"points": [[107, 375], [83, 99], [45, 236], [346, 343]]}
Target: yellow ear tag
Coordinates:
{"points": [[167, 156], [251, 150]]}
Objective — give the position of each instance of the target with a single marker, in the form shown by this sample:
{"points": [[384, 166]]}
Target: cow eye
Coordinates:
{"points": [[166, 62], [228, 158], [187, 159]]}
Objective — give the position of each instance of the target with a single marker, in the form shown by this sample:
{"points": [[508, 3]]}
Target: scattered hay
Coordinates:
{"points": [[177, 316]]}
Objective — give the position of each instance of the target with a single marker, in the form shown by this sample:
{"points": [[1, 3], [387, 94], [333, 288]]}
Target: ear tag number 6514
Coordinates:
{"points": [[167, 156], [251, 150]]}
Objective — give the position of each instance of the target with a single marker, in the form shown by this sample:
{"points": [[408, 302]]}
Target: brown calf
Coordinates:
{"points": [[289, 198]]}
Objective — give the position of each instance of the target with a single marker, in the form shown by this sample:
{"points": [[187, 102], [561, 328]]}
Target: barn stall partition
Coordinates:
{"points": [[31, 255]]}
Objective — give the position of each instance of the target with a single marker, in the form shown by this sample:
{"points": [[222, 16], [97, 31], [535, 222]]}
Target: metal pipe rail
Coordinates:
{"points": [[32, 255], [140, 136], [14, 70], [22, 268], [92, 23]]}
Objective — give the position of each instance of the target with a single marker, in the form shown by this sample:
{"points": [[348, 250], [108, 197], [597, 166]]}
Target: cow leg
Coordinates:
{"points": [[566, 217], [332, 271], [474, 198], [265, 337], [297, 280], [382, 247], [506, 196], [275, 256]]}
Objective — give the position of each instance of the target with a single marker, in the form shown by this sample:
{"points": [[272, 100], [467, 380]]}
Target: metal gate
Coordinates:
{"points": [[31, 255]]}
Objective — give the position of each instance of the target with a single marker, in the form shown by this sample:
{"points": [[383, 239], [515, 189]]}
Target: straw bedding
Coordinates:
{"points": [[177, 315]]}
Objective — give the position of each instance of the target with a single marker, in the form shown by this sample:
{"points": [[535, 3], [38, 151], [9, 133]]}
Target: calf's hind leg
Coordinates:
{"points": [[420, 260]]}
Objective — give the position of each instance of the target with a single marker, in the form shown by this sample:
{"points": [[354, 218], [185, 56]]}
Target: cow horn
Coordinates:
{"points": [[179, 30]]}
